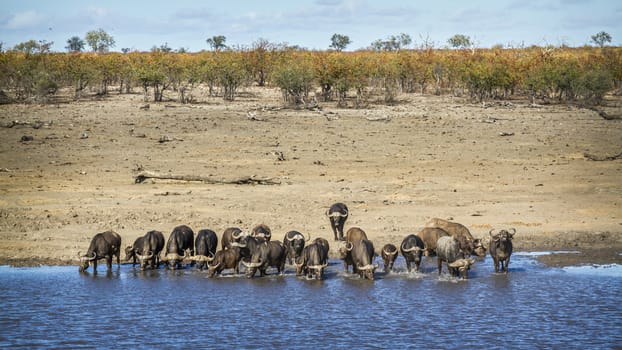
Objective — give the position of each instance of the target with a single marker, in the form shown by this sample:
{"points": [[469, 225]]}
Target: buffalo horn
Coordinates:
{"points": [[314, 267], [412, 249], [251, 265], [143, 257], [90, 258], [367, 267], [389, 253], [238, 244], [349, 246], [296, 236]]}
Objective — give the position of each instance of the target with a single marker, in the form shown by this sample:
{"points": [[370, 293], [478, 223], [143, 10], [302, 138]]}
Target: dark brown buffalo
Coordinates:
{"points": [[412, 249], [265, 254], [262, 231], [180, 245], [312, 261], [294, 243], [345, 254], [501, 248], [429, 236], [468, 244], [337, 214], [231, 237], [225, 259], [323, 242], [362, 256], [103, 245], [132, 250], [448, 250], [153, 243], [389, 254], [205, 246], [355, 234]]}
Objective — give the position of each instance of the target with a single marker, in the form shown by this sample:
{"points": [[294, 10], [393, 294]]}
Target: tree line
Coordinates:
{"points": [[351, 79]]}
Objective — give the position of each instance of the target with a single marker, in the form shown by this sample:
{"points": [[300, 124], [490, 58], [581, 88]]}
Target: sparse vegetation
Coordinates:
{"points": [[552, 74]]}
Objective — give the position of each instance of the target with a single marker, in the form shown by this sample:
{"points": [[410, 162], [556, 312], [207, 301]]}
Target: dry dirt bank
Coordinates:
{"points": [[496, 166]]}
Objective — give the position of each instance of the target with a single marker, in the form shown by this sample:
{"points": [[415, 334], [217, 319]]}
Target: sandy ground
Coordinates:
{"points": [[500, 165]]}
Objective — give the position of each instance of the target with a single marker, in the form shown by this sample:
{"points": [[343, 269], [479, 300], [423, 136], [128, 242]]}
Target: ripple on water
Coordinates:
{"points": [[541, 307]]}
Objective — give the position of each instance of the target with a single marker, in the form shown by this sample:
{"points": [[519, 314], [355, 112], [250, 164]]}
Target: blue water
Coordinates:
{"points": [[532, 307]]}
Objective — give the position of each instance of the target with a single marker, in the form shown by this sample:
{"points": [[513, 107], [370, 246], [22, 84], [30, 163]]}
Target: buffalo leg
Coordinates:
{"points": [[340, 229], [440, 265], [496, 260]]}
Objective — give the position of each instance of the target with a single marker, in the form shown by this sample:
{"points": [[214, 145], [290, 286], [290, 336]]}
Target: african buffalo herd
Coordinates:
{"points": [[451, 243]]}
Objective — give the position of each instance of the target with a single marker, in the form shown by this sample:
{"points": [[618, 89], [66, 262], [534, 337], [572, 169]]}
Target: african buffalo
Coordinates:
{"points": [[312, 261], [337, 214], [103, 245], [412, 249], [468, 244], [323, 242], [225, 259], [448, 250], [262, 231], [231, 236], [345, 254], [362, 256], [180, 245], [294, 243], [266, 254], [132, 250], [501, 248], [429, 236], [389, 254], [205, 246], [355, 233], [153, 243]]}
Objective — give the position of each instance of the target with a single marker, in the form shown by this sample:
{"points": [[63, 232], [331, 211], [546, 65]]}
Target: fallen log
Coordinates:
{"points": [[246, 180], [602, 159]]}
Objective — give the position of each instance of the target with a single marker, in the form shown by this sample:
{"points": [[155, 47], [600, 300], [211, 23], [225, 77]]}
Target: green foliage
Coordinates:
{"points": [[339, 42], [601, 38], [75, 44], [295, 78], [217, 42], [460, 41], [231, 73], [33, 46], [99, 40], [392, 43]]}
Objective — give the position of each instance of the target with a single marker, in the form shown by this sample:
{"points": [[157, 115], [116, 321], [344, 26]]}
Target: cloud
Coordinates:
{"points": [[23, 20]]}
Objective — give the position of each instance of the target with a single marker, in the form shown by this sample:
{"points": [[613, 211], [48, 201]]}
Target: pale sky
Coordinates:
{"points": [[140, 25]]}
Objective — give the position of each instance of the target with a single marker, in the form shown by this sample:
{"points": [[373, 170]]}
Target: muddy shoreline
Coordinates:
{"points": [[606, 250]]}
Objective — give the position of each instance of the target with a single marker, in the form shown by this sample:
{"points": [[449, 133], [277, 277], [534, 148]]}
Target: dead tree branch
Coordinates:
{"points": [[246, 180], [602, 159]]}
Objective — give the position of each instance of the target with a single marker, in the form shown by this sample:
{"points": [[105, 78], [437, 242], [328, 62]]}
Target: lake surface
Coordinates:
{"points": [[532, 307]]}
